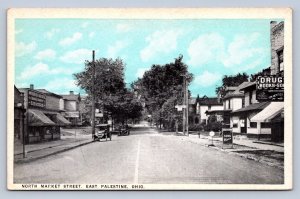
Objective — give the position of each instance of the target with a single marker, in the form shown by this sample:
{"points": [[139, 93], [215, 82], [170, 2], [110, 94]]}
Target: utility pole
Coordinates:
{"points": [[93, 96], [187, 106], [184, 103]]}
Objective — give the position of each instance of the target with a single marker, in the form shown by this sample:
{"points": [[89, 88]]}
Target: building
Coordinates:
{"points": [[277, 47], [43, 120], [199, 106], [71, 108], [19, 114], [241, 122]]}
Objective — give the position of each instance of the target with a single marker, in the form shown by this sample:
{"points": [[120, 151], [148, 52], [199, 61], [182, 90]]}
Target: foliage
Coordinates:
{"points": [[196, 127], [213, 126], [162, 88], [231, 80], [109, 89]]}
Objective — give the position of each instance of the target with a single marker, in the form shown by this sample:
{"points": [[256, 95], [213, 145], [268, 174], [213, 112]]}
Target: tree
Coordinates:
{"points": [[109, 77], [162, 88], [231, 80], [111, 95]]}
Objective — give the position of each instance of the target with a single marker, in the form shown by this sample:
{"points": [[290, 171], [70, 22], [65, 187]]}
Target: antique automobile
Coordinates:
{"points": [[102, 132], [123, 130]]}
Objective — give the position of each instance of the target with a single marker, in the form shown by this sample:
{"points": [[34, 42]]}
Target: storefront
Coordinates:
{"points": [[272, 115], [41, 124]]}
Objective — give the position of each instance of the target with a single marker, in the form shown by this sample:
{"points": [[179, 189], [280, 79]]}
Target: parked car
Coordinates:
{"points": [[102, 132], [123, 130]]}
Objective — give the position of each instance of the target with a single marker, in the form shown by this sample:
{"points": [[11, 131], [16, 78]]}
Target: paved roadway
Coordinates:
{"points": [[146, 157]]}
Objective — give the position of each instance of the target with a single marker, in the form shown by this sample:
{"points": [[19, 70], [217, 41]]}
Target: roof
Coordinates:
{"points": [[192, 100], [210, 101], [48, 93], [237, 92], [249, 84], [253, 107], [71, 97]]}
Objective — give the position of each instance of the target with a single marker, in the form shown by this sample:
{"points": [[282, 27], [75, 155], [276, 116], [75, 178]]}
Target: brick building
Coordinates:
{"points": [[277, 47]]}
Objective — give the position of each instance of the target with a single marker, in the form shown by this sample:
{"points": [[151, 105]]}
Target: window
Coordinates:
{"points": [[209, 107], [235, 125], [253, 124], [229, 104], [265, 125], [196, 120], [243, 102], [280, 59], [250, 97]]}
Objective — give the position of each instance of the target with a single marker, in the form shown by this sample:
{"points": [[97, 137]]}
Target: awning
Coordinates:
{"points": [[269, 112], [61, 120], [72, 114], [38, 118]]}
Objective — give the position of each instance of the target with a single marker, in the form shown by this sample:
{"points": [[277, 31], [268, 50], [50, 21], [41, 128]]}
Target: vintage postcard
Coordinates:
{"points": [[149, 99]]}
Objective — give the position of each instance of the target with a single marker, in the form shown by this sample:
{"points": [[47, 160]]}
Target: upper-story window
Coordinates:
{"points": [[280, 59], [250, 97], [209, 107], [243, 102]]}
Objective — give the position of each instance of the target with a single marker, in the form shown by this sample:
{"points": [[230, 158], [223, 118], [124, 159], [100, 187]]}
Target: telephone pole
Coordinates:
{"points": [[184, 103], [93, 95]]}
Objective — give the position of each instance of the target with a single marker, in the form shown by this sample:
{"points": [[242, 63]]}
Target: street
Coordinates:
{"points": [[146, 157]]}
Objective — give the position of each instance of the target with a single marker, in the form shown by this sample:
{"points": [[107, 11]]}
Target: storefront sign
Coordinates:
{"points": [[227, 137], [270, 88], [36, 99]]}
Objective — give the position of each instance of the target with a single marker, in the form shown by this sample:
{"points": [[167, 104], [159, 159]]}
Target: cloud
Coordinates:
{"points": [[91, 34], [45, 54], [70, 40], [160, 42], [207, 79], [59, 84], [51, 33], [122, 28], [140, 72], [23, 48], [241, 49], [205, 48], [42, 69], [77, 56], [238, 53], [114, 50]]}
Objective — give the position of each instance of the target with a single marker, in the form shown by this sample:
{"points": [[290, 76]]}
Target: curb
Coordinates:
{"points": [[21, 161]]}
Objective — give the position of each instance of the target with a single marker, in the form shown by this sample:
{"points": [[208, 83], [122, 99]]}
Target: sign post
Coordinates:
{"points": [[227, 137]]}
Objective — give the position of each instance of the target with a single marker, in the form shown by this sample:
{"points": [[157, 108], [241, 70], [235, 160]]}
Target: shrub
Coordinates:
{"points": [[213, 126]]}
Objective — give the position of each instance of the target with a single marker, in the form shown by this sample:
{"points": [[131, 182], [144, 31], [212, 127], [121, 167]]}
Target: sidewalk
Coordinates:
{"points": [[265, 152], [45, 149]]}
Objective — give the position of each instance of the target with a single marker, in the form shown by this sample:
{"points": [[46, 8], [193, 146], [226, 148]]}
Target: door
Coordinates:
{"points": [[243, 125]]}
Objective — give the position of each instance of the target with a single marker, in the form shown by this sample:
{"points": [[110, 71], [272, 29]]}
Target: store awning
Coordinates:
{"points": [[269, 112], [61, 120], [72, 114], [38, 118]]}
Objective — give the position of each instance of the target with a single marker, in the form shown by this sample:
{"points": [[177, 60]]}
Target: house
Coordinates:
{"points": [[71, 108], [200, 105]]}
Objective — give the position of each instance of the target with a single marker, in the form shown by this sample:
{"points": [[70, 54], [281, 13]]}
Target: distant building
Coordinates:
{"points": [[71, 108], [199, 106]]}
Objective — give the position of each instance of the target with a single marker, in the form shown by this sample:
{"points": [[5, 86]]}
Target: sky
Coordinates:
{"points": [[49, 51]]}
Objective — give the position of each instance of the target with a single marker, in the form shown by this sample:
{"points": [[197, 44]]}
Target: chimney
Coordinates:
{"points": [[31, 86], [71, 92]]}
